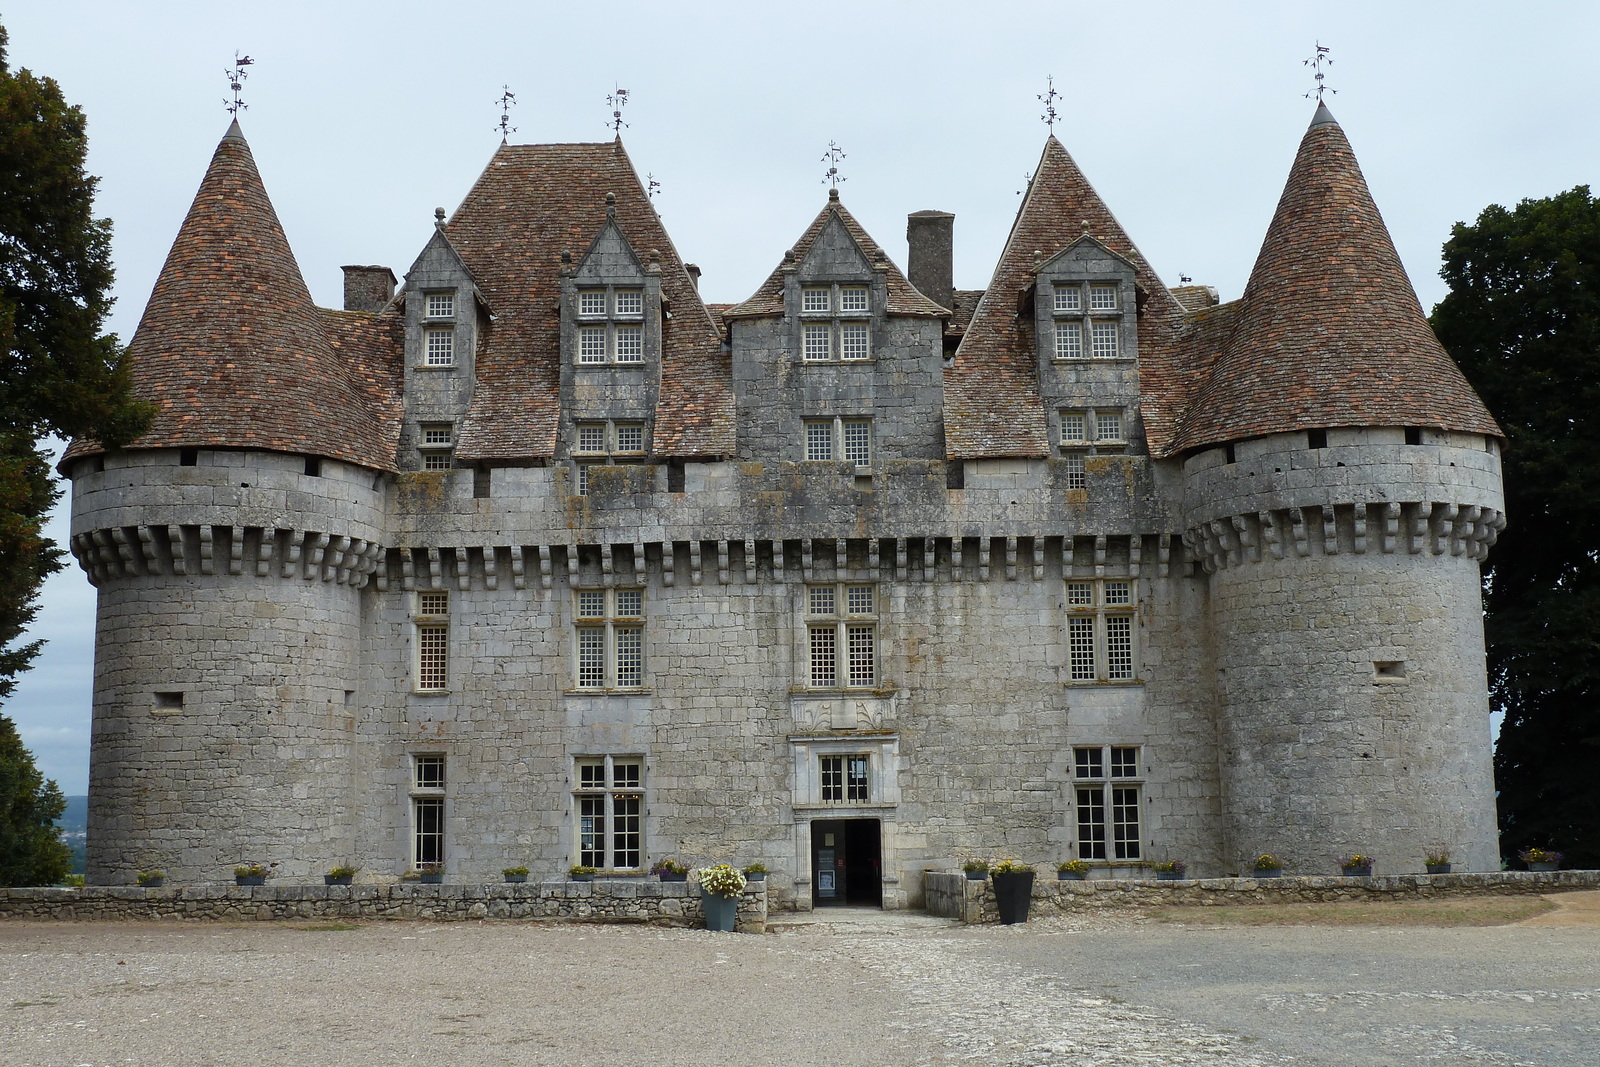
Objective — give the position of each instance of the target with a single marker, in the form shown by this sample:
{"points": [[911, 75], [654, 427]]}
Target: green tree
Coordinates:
{"points": [[1523, 321], [60, 374], [31, 851]]}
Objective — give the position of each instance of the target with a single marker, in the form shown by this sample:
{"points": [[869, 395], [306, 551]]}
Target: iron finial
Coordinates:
{"points": [[832, 157], [616, 101], [506, 101], [1048, 98], [1316, 63], [236, 76]]}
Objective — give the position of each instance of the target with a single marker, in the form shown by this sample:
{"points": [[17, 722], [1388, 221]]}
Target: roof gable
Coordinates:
{"points": [[608, 254], [834, 255]]}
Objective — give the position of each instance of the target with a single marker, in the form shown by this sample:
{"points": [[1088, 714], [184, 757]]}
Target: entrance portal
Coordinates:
{"points": [[846, 862]]}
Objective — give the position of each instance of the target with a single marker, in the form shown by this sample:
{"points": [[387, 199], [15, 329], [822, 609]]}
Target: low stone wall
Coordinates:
{"points": [[973, 902], [605, 901]]}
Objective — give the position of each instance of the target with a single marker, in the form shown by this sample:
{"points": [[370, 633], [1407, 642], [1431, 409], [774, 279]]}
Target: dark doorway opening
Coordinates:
{"points": [[846, 863]]}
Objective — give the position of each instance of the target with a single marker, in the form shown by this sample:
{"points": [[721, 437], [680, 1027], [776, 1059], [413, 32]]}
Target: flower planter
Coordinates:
{"points": [[249, 879], [1544, 866], [1013, 895], [1268, 872], [1168, 876], [1356, 872], [516, 878], [431, 879], [720, 911], [1071, 876], [977, 876], [755, 876], [684, 877], [338, 879], [1438, 868], [153, 883]]}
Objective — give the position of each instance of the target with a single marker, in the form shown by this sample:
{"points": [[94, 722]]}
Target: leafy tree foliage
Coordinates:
{"points": [[1523, 321], [60, 374], [31, 851]]}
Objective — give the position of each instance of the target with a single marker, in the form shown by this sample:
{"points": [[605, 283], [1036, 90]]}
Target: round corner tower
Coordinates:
{"points": [[1341, 487], [229, 546]]}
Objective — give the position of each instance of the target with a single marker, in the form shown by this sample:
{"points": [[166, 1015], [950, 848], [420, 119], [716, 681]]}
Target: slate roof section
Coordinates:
{"points": [[992, 402], [531, 203], [1329, 331], [903, 297], [234, 353]]}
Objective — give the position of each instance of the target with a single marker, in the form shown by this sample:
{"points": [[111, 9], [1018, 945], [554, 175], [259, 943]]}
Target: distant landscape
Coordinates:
{"points": [[74, 827]]}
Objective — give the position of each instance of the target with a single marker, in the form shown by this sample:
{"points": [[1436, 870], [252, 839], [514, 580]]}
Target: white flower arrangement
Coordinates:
{"points": [[722, 880]]}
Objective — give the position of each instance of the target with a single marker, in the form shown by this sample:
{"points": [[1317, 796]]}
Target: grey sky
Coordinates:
{"points": [[364, 117]]}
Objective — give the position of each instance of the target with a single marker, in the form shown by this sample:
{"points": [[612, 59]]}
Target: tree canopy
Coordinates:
{"points": [[1523, 321], [31, 851]]}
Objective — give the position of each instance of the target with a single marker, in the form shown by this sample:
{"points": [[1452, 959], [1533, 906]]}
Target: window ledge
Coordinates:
{"points": [[430, 692], [435, 366], [1097, 684], [619, 692], [1062, 361]]}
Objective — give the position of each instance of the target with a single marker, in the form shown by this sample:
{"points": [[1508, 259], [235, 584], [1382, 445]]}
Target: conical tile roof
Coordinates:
{"points": [[1329, 331], [234, 353], [992, 401]]}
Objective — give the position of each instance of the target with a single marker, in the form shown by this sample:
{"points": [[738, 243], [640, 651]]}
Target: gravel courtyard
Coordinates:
{"points": [[859, 988]]}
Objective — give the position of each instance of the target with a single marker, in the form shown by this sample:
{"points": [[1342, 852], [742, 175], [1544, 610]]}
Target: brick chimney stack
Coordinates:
{"points": [[931, 263], [367, 288]]}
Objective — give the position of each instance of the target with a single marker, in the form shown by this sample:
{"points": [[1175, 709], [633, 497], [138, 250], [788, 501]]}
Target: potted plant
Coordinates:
{"points": [[977, 870], [1541, 859], [1437, 861], [430, 873], [720, 887], [579, 872], [515, 874], [756, 872], [1170, 870], [1013, 890], [1356, 865], [670, 870], [341, 875], [151, 879], [253, 873], [1072, 870], [1267, 865]]}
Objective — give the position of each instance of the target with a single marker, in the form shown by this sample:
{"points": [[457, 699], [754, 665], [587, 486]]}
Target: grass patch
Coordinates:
{"points": [[319, 927], [1455, 911]]}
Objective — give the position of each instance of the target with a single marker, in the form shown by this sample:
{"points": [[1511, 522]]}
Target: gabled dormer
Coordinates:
{"points": [[834, 298], [444, 312]]}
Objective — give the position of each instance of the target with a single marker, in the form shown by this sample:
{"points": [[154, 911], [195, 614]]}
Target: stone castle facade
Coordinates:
{"points": [[542, 560]]}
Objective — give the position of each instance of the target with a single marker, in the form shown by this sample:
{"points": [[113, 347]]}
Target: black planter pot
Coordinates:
{"points": [[249, 879], [1071, 876], [1267, 872], [755, 876], [1168, 876], [338, 879], [431, 879], [1013, 895], [1438, 868], [515, 878], [977, 876], [670, 877], [1356, 872]]}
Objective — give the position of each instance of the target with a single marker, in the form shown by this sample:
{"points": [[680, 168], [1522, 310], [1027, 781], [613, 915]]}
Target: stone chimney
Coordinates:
{"points": [[694, 275], [931, 264], [367, 288]]}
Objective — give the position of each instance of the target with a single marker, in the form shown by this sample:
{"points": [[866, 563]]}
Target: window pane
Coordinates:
{"points": [[1080, 647], [817, 341], [1069, 340], [592, 604], [591, 658], [1080, 594], [1092, 823], [1072, 427], [1125, 822], [1068, 298], [433, 603], [1119, 647], [437, 434], [591, 775], [1102, 298], [625, 830], [441, 350], [591, 437], [592, 344], [427, 816], [858, 443], [630, 603], [1108, 426], [630, 656], [592, 302], [814, 300], [583, 479], [630, 437], [592, 831], [627, 775], [832, 777], [824, 656], [428, 772], [1086, 763], [630, 344], [853, 341], [859, 598], [441, 306], [1119, 592], [630, 302], [433, 657], [819, 440], [1124, 762], [1075, 475], [437, 461], [856, 786], [863, 658], [1105, 340], [853, 298], [820, 600]]}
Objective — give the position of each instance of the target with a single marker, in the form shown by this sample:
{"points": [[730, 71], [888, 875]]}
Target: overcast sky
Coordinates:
{"points": [[365, 117]]}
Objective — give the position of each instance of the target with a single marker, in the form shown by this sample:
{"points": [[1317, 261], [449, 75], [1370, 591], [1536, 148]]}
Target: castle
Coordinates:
{"points": [[542, 560]]}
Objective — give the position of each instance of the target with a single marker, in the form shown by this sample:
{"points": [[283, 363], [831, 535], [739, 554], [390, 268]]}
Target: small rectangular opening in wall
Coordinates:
{"points": [[955, 474], [1389, 670], [480, 483], [1228, 456], [674, 475], [1316, 438], [169, 702], [313, 467], [188, 457], [1413, 435]]}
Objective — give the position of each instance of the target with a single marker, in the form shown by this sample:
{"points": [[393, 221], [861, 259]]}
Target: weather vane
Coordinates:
{"points": [[832, 157], [236, 76], [1315, 63], [652, 185], [616, 101], [1048, 98], [506, 102]]}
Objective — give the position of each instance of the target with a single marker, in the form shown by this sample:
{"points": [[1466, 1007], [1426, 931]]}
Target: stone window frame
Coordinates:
{"points": [[612, 448], [835, 628], [609, 788], [1108, 802], [839, 329], [608, 323], [1105, 624], [843, 436], [429, 804], [608, 646], [431, 623]]}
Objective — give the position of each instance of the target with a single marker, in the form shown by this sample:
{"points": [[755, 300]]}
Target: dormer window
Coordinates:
{"points": [[816, 300], [1068, 298], [612, 330], [440, 346], [1086, 321], [835, 323], [438, 306], [1102, 298]]}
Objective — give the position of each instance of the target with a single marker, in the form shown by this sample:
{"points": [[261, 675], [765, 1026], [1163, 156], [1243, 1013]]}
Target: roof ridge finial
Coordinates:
{"points": [[236, 76], [1048, 98], [832, 157], [616, 100], [506, 101], [1316, 62], [438, 218]]}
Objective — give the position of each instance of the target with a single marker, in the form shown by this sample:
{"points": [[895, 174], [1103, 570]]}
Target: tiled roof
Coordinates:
{"points": [[234, 353], [531, 203], [992, 402], [1329, 331], [903, 297], [1195, 297], [965, 302]]}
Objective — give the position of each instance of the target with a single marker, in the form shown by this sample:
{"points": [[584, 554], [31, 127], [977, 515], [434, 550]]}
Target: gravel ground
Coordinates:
{"points": [[861, 988]]}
